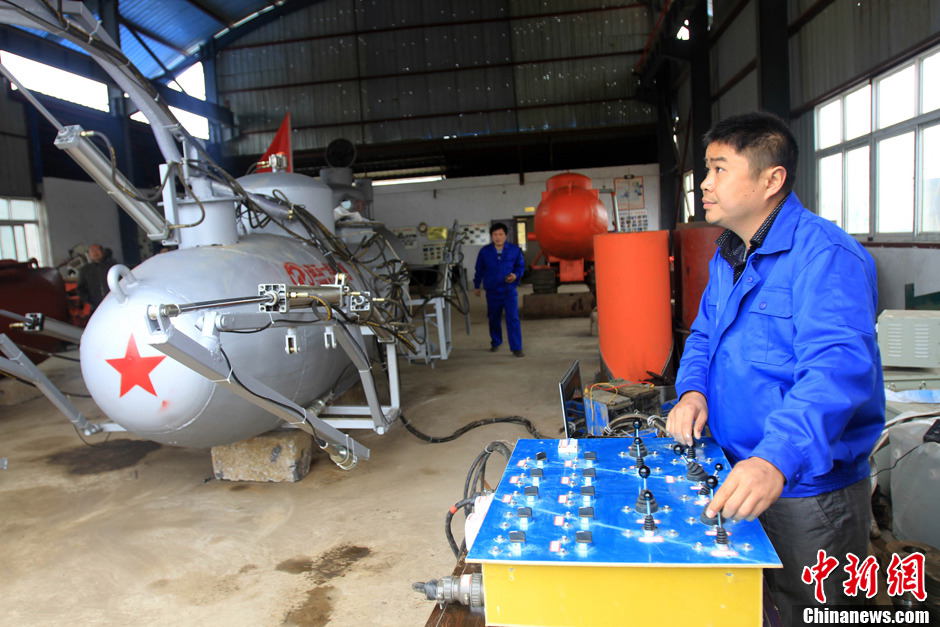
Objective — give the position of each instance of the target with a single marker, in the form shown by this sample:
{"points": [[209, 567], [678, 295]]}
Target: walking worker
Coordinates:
{"points": [[500, 265], [782, 362]]}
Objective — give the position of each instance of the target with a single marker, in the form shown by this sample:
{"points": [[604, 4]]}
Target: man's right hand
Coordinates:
{"points": [[478, 292], [688, 418]]}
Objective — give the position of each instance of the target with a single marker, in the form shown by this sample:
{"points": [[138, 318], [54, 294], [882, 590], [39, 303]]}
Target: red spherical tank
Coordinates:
{"points": [[569, 217]]}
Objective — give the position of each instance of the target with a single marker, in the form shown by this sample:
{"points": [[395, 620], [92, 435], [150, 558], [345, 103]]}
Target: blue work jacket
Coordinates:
{"points": [[787, 357], [492, 268]]}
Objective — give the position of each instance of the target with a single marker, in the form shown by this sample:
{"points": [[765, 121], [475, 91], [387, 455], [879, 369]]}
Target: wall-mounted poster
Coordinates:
{"points": [[475, 234], [631, 203]]}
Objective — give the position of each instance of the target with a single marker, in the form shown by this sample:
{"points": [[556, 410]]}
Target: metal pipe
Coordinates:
{"points": [[114, 182], [32, 99], [171, 310]]}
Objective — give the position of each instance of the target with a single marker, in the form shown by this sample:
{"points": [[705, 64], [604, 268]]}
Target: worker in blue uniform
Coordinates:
{"points": [[499, 267], [782, 362]]}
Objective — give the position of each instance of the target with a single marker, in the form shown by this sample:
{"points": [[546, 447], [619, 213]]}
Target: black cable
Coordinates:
{"points": [[475, 482], [447, 520], [235, 378], [897, 460], [519, 420]]}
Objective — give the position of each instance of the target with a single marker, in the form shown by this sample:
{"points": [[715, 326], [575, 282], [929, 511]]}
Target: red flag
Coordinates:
{"points": [[280, 145]]}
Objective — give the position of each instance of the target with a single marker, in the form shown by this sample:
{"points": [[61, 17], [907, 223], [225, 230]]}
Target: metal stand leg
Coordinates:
{"points": [[19, 365]]}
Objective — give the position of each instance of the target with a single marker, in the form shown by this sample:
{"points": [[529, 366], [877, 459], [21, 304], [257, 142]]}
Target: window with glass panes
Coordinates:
{"points": [[878, 153], [20, 231]]}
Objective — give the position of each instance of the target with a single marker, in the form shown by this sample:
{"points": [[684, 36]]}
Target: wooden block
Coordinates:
{"points": [[277, 456]]}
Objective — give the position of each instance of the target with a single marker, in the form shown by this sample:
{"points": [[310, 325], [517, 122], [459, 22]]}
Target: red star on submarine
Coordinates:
{"points": [[135, 370]]}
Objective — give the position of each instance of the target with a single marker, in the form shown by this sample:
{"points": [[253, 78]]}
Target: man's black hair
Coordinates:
{"points": [[763, 138], [499, 226]]}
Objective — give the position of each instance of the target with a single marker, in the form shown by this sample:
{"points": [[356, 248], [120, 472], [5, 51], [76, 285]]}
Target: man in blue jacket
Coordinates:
{"points": [[500, 265], [782, 362]]}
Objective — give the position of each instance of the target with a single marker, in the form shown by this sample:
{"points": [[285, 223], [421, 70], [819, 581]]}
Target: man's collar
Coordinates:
{"points": [[779, 236]]}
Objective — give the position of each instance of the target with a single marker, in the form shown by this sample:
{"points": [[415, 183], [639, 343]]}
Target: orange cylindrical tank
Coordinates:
{"points": [[634, 319], [569, 217], [696, 246]]}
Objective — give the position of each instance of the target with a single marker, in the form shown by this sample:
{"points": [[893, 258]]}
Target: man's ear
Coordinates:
{"points": [[774, 179]]}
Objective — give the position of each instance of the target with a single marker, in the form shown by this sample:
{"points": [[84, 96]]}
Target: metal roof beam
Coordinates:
{"points": [[47, 51], [204, 8], [447, 70], [483, 20], [448, 114], [152, 35], [279, 10]]}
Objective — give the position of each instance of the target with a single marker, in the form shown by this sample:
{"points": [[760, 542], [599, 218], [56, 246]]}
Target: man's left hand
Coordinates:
{"points": [[752, 486], [510, 277]]}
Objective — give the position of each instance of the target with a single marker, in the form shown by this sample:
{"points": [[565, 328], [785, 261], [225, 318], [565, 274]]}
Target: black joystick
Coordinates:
{"points": [[649, 524], [646, 502], [690, 451], [678, 449], [711, 482], [721, 536], [644, 472], [695, 472], [638, 448]]}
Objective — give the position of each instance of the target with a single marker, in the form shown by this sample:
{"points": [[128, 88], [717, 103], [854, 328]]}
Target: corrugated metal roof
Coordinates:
{"points": [[379, 71], [172, 29]]}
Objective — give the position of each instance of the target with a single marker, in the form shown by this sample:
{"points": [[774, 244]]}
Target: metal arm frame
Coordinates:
{"points": [[17, 364], [322, 420]]}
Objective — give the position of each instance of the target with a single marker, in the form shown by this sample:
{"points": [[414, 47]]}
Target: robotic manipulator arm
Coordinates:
{"points": [[186, 159]]}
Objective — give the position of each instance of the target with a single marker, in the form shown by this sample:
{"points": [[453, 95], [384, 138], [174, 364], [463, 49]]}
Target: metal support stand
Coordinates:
{"points": [[437, 330], [19, 365], [374, 415]]}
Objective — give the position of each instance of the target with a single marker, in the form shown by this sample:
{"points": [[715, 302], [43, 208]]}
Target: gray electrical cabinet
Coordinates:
{"points": [[909, 338]]}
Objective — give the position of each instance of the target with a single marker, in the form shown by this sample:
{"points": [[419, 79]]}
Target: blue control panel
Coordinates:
{"points": [[615, 502]]}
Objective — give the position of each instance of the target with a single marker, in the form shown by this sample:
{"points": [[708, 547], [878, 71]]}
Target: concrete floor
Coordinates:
{"points": [[133, 535]]}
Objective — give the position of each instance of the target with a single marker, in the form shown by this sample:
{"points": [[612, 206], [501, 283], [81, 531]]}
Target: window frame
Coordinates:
{"points": [[45, 257], [917, 124]]}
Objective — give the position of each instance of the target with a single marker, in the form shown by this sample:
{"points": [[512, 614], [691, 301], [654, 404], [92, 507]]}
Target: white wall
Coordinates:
{"points": [[79, 212], [476, 200], [897, 266]]}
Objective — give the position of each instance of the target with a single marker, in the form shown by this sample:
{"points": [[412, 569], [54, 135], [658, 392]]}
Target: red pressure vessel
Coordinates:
{"points": [[27, 288], [569, 217]]}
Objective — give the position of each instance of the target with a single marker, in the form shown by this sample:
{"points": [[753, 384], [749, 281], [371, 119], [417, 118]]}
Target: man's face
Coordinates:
{"points": [[498, 236], [95, 253], [730, 193]]}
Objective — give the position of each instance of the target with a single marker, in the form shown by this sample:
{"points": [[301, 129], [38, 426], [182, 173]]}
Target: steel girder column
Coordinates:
{"points": [[773, 58], [670, 179], [701, 96], [130, 248], [208, 53]]}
